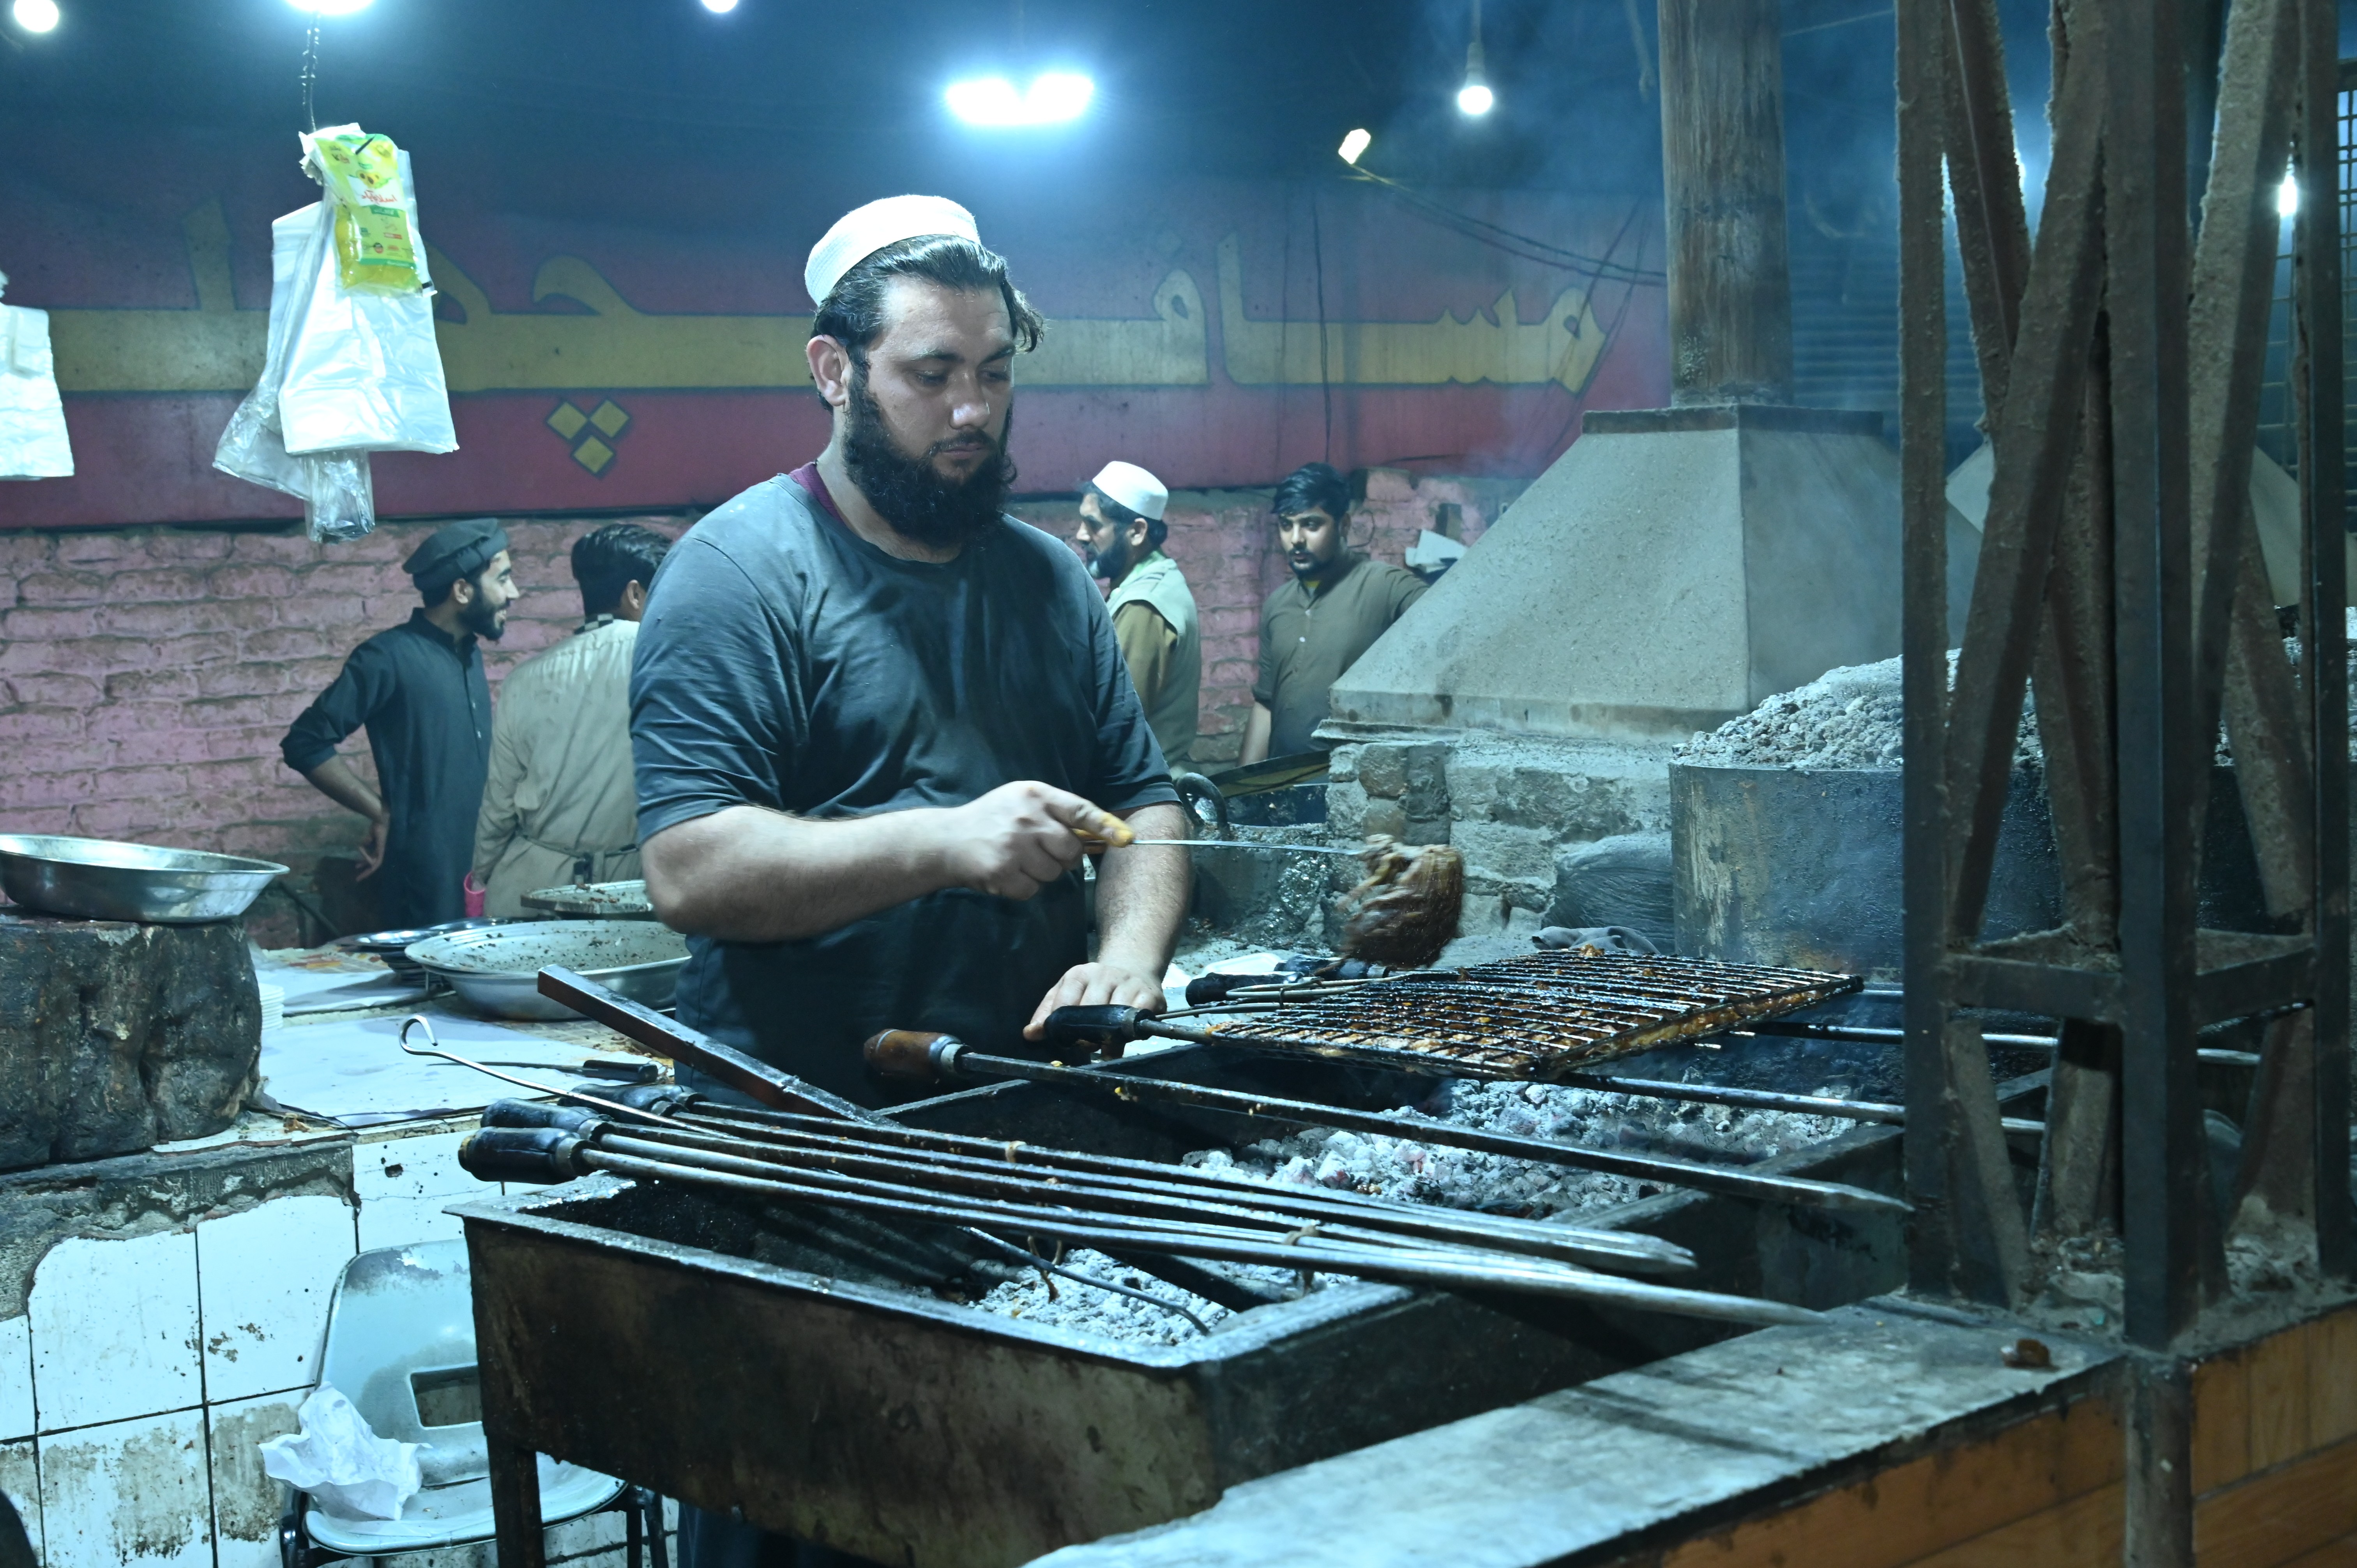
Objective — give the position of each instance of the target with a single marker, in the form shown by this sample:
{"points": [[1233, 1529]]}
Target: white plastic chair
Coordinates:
{"points": [[401, 1347]]}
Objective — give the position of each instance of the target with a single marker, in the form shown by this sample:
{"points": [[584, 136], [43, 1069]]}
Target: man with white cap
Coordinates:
{"points": [[1122, 531], [874, 716]]}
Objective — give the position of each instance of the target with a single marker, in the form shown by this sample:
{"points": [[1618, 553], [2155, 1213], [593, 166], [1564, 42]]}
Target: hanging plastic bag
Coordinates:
{"points": [[363, 371], [33, 442], [367, 179], [335, 488]]}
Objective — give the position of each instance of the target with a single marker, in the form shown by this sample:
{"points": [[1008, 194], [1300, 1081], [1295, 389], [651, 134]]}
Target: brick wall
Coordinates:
{"points": [[146, 674], [1226, 541]]}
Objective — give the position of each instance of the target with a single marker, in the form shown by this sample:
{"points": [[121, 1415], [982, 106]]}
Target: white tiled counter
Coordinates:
{"points": [[161, 1315]]}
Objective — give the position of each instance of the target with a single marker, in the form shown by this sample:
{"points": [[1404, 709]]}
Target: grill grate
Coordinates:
{"points": [[1541, 1016]]}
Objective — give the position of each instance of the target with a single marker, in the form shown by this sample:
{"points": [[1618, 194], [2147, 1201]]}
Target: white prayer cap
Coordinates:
{"points": [[1134, 488], [863, 231]]}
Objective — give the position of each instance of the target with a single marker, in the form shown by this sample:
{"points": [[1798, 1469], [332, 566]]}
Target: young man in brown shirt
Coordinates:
{"points": [[1315, 627]]}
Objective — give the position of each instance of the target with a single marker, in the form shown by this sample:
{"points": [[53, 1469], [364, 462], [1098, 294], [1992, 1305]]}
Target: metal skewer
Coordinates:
{"points": [[1337, 1215], [1007, 1249], [1615, 1248], [519, 1154], [931, 1056]]}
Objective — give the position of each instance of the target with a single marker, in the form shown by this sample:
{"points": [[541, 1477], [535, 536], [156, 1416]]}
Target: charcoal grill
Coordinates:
{"points": [[1544, 1018], [740, 1359]]}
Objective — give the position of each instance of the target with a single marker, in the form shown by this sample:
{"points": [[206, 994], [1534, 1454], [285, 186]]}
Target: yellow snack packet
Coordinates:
{"points": [[376, 250]]}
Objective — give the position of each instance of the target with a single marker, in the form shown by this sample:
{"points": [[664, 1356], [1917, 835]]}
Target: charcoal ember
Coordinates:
{"points": [[115, 1037], [1068, 1304], [1401, 1167], [1407, 907]]}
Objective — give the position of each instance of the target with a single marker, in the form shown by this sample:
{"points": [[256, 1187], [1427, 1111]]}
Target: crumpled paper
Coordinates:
{"points": [[345, 1469]]}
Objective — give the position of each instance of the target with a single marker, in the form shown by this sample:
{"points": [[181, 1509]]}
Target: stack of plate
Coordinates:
{"points": [[274, 1007]]}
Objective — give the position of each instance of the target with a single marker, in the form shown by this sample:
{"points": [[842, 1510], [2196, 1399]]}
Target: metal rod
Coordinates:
{"points": [[1802, 1030], [1766, 1099], [1614, 1249], [1268, 1206], [1398, 1268], [1237, 843], [1732, 1183]]}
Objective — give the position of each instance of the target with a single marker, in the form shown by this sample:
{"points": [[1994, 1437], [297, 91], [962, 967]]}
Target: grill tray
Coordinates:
{"points": [[1541, 1017]]}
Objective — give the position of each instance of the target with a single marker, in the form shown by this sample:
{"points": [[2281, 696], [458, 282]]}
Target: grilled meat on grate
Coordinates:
{"points": [[1541, 1016]]}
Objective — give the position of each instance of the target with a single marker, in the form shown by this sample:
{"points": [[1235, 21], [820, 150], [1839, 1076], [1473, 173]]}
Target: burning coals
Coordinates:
{"points": [[1403, 1169], [1068, 1303], [1464, 1178]]}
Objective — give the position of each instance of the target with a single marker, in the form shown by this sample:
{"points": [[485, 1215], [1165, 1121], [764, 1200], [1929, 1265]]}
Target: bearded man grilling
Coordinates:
{"points": [[873, 716]]}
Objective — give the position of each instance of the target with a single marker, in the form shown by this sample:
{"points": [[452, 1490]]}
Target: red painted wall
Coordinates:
{"points": [[93, 221]]}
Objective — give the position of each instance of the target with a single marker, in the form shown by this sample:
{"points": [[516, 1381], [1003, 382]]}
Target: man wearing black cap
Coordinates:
{"points": [[419, 689]]}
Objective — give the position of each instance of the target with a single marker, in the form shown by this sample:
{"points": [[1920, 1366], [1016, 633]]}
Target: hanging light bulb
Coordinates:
{"points": [[1353, 146], [1475, 98], [2288, 195], [35, 15]]}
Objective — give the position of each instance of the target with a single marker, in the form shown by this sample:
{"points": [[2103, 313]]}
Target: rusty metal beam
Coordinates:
{"points": [[1992, 1259], [2324, 549], [2078, 1177], [1923, 45], [1992, 231], [2073, 658], [2234, 276], [2166, 1218], [2036, 440]]}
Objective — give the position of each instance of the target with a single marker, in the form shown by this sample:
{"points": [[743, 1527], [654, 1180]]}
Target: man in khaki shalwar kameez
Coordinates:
{"points": [[561, 804], [1121, 531]]}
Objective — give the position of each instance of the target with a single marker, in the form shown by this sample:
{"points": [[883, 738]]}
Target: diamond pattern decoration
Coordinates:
{"points": [[591, 435]]}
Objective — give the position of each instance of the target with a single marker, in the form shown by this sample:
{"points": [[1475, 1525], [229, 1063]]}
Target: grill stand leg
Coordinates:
{"points": [[515, 1504]]}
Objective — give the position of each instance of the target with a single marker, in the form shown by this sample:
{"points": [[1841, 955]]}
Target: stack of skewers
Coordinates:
{"points": [[1017, 1195]]}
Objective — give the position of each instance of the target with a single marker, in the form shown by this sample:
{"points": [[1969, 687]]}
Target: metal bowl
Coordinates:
{"points": [[99, 879], [594, 901], [392, 947], [497, 971]]}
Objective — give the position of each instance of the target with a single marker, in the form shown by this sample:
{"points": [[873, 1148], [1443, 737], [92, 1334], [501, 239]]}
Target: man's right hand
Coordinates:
{"points": [[371, 850], [1021, 837]]}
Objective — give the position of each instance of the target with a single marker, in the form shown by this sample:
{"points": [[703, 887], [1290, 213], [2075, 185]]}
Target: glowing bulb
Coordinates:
{"points": [[720, 8], [330, 7], [1475, 98], [35, 15], [1053, 98], [2287, 197], [1353, 145]]}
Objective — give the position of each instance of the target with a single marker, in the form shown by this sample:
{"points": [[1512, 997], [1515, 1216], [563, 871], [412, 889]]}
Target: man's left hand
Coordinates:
{"points": [[1096, 985]]}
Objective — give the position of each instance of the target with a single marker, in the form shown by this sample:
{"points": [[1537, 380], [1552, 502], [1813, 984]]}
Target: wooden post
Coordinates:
{"points": [[1723, 170]]}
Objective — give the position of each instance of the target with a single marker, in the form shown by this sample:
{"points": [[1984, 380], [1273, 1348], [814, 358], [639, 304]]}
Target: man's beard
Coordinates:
{"points": [[481, 619], [1112, 564], [910, 492]]}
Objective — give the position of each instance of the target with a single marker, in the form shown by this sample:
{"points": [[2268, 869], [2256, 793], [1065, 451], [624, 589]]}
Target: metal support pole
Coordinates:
{"points": [[2161, 1145], [1922, 362], [2323, 529]]}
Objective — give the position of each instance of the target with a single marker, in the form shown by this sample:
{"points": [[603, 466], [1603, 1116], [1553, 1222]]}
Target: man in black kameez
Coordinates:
{"points": [[419, 688]]}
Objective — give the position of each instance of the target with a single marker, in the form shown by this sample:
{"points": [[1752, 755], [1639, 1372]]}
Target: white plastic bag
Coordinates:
{"points": [[335, 488], [346, 1469], [363, 370], [33, 442]]}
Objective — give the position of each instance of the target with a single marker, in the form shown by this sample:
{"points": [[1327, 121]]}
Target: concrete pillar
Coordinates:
{"points": [[1723, 161]]}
